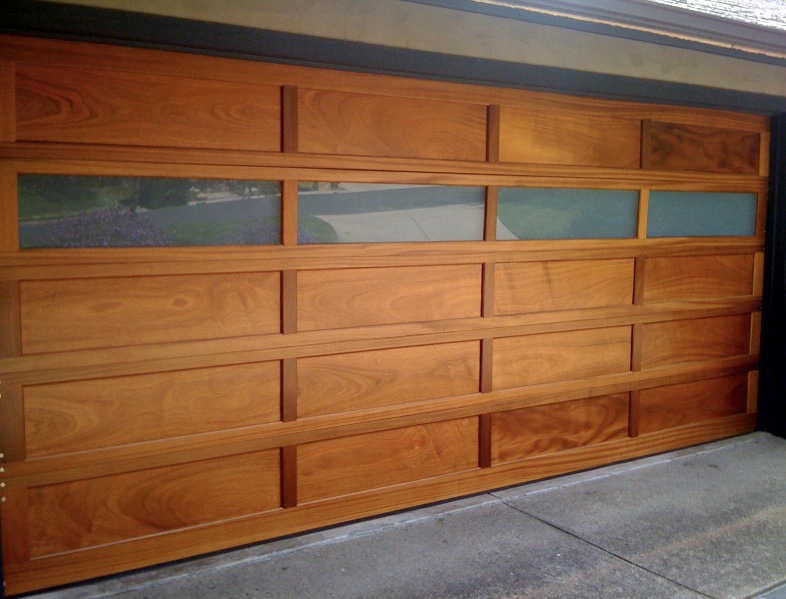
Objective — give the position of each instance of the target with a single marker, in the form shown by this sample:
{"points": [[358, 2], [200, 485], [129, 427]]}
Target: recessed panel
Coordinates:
{"points": [[551, 357], [376, 460], [524, 433], [334, 122], [83, 415], [330, 299], [98, 511], [679, 405], [111, 312], [697, 277], [98, 106], [562, 285], [356, 381]]}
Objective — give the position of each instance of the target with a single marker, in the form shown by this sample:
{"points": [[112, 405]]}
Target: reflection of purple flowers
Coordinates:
{"points": [[110, 227], [262, 232]]}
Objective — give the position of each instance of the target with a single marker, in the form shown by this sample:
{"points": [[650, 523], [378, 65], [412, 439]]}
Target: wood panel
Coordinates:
{"points": [[347, 382], [84, 415], [679, 405], [697, 277], [105, 510], [357, 297], [680, 147], [665, 343], [82, 313], [7, 101], [534, 359], [520, 434], [84, 105], [333, 122], [376, 460], [575, 139], [563, 285]]}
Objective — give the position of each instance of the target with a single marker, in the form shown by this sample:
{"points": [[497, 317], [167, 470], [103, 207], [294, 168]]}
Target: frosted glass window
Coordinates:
{"points": [[697, 214], [533, 213], [60, 211], [360, 212]]}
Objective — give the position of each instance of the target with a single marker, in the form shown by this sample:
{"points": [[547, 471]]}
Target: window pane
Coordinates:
{"points": [[526, 213], [692, 214], [57, 211], [360, 212]]}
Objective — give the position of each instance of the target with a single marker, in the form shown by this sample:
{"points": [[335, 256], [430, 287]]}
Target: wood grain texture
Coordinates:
{"points": [[358, 297], [7, 101], [114, 508], [376, 460], [12, 421], [571, 139], [83, 105], [665, 343], [289, 117], [492, 133], [534, 359], [347, 382], [84, 415], [698, 148], [10, 311], [697, 277], [679, 405], [9, 210], [753, 391], [82, 313], [544, 286], [289, 497], [520, 434], [334, 122]]}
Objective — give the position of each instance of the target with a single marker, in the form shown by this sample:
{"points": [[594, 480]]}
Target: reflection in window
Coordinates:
{"points": [[360, 212], [58, 211], [534, 213], [696, 214]]}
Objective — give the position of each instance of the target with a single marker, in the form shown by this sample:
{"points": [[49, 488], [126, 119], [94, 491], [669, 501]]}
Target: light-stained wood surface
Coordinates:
{"points": [[534, 359], [665, 343], [114, 508], [678, 405], [80, 415], [347, 382], [697, 277], [353, 464], [332, 122], [80, 313], [330, 299], [543, 286], [570, 139], [157, 403], [520, 434], [125, 108]]}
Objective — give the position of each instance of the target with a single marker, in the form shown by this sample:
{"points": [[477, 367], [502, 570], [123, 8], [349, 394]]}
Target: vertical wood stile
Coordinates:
{"points": [[634, 410], [9, 216], [644, 208], [288, 302], [486, 364], [755, 339], [646, 144], [289, 476], [758, 273], [289, 389], [289, 212], [492, 133], [764, 153], [289, 108], [10, 313], [484, 441], [761, 214], [638, 281], [487, 297], [490, 218], [12, 421], [16, 534], [753, 391], [7, 101]]}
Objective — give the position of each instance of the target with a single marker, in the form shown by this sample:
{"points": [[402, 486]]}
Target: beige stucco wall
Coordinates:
{"points": [[402, 24]]}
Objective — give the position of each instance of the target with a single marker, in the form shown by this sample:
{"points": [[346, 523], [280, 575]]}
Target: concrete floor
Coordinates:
{"points": [[708, 521]]}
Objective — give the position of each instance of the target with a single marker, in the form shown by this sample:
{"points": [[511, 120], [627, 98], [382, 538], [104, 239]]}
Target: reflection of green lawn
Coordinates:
{"points": [[229, 232], [36, 205], [528, 222], [317, 230]]}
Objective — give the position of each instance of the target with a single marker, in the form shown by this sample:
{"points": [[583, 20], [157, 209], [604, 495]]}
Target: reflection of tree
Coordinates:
{"points": [[154, 193]]}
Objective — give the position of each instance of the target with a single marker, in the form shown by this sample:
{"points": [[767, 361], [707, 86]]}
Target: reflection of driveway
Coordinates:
{"points": [[371, 213]]}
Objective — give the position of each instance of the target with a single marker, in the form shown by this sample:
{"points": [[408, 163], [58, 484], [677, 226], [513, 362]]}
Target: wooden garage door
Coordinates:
{"points": [[242, 300]]}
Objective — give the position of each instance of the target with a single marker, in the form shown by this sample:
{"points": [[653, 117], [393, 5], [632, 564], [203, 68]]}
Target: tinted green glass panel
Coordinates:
{"points": [[354, 212], [534, 213], [699, 214], [57, 211]]}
